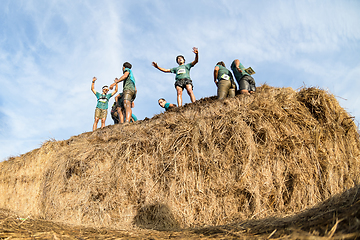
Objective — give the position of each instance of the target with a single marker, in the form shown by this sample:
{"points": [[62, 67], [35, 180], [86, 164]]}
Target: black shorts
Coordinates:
{"points": [[183, 82], [247, 83]]}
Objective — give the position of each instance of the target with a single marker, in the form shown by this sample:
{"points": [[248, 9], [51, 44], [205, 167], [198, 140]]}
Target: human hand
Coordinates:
{"points": [[94, 79], [112, 86], [155, 64], [195, 50]]}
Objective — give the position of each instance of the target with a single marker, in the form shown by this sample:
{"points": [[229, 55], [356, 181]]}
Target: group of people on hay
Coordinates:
{"points": [[121, 111]]}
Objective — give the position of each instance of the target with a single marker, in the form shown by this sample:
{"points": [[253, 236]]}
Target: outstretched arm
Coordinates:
{"points": [[216, 72], [93, 85], [122, 78], [160, 68], [196, 51]]}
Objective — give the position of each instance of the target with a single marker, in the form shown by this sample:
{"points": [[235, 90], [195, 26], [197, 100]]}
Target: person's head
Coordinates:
{"points": [[162, 102], [180, 59], [105, 89], [127, 65], [221, 63]]}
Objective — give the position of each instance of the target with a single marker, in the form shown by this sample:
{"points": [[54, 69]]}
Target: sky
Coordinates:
{"points": [[51, 49]]}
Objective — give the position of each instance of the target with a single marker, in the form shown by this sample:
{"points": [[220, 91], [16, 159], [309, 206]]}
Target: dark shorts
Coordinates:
{"points": [[247, 83], [127, 95], [183, 82]]}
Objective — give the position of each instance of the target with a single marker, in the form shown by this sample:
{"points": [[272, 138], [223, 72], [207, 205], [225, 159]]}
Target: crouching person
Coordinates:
{"points": [[224, 81]]}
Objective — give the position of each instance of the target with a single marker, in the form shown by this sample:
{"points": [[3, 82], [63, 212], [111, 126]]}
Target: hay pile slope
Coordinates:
{"points": [[208, 163]]}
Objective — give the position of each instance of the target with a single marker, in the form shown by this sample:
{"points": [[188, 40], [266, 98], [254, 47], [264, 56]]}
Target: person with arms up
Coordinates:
{"points": [[102, 103], [182, 78]]}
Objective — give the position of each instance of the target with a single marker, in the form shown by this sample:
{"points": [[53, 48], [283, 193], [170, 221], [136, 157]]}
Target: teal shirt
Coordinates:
{"points": [[237, 74], [134, 117], [129, 82], [182, 71], [167, 106], [103, 100], [223, 73]]}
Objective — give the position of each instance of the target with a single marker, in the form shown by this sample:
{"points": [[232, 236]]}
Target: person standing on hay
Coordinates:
{"points": [[224, 81], [243, 77], [162, 102], [129, 89], [102, 103], [182, 78]]}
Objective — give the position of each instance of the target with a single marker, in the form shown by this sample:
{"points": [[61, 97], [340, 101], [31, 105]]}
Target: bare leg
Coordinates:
{"points": [[121, 115], [190, 92], [103, 122], [246, 92], [179, 95], [128, 110], [95, 123]]}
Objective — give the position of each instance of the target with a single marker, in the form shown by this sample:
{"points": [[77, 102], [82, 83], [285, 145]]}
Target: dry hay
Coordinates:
{"points": [[208, 163], [335, 218]]}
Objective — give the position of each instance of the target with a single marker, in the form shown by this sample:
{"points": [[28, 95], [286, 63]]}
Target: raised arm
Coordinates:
{"points": [[196, 51], [93, 85], [216, 72], [122, 78], [160, 68], [115, 91]]}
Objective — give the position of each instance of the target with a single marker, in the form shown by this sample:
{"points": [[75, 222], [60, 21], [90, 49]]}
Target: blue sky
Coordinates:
{"points": [[51, 49]]}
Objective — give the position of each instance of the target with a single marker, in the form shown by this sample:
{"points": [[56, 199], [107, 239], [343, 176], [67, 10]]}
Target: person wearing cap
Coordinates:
{"points": [[182, 78], [129, 90], [102, 103], [245, 81]]}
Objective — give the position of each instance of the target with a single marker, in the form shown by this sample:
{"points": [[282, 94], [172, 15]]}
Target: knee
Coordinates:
{"points": [[244, 92], [189, 89]]}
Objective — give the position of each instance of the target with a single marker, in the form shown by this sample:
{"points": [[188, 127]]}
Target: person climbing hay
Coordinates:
{"points": [[102, 103], [245, 81], [224, 81], [182, 78]]}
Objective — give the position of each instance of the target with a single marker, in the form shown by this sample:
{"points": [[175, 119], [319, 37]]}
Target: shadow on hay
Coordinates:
{"points": [[156, 216]]}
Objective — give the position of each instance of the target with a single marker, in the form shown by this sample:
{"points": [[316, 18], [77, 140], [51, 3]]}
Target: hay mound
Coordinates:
{"points": [[210, 163]]}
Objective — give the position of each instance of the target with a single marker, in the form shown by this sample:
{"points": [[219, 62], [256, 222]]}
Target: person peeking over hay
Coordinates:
{"points": [[224, 81], [102, 103], [182, 78], [129, 89], [162, 102], [245, 81]]}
